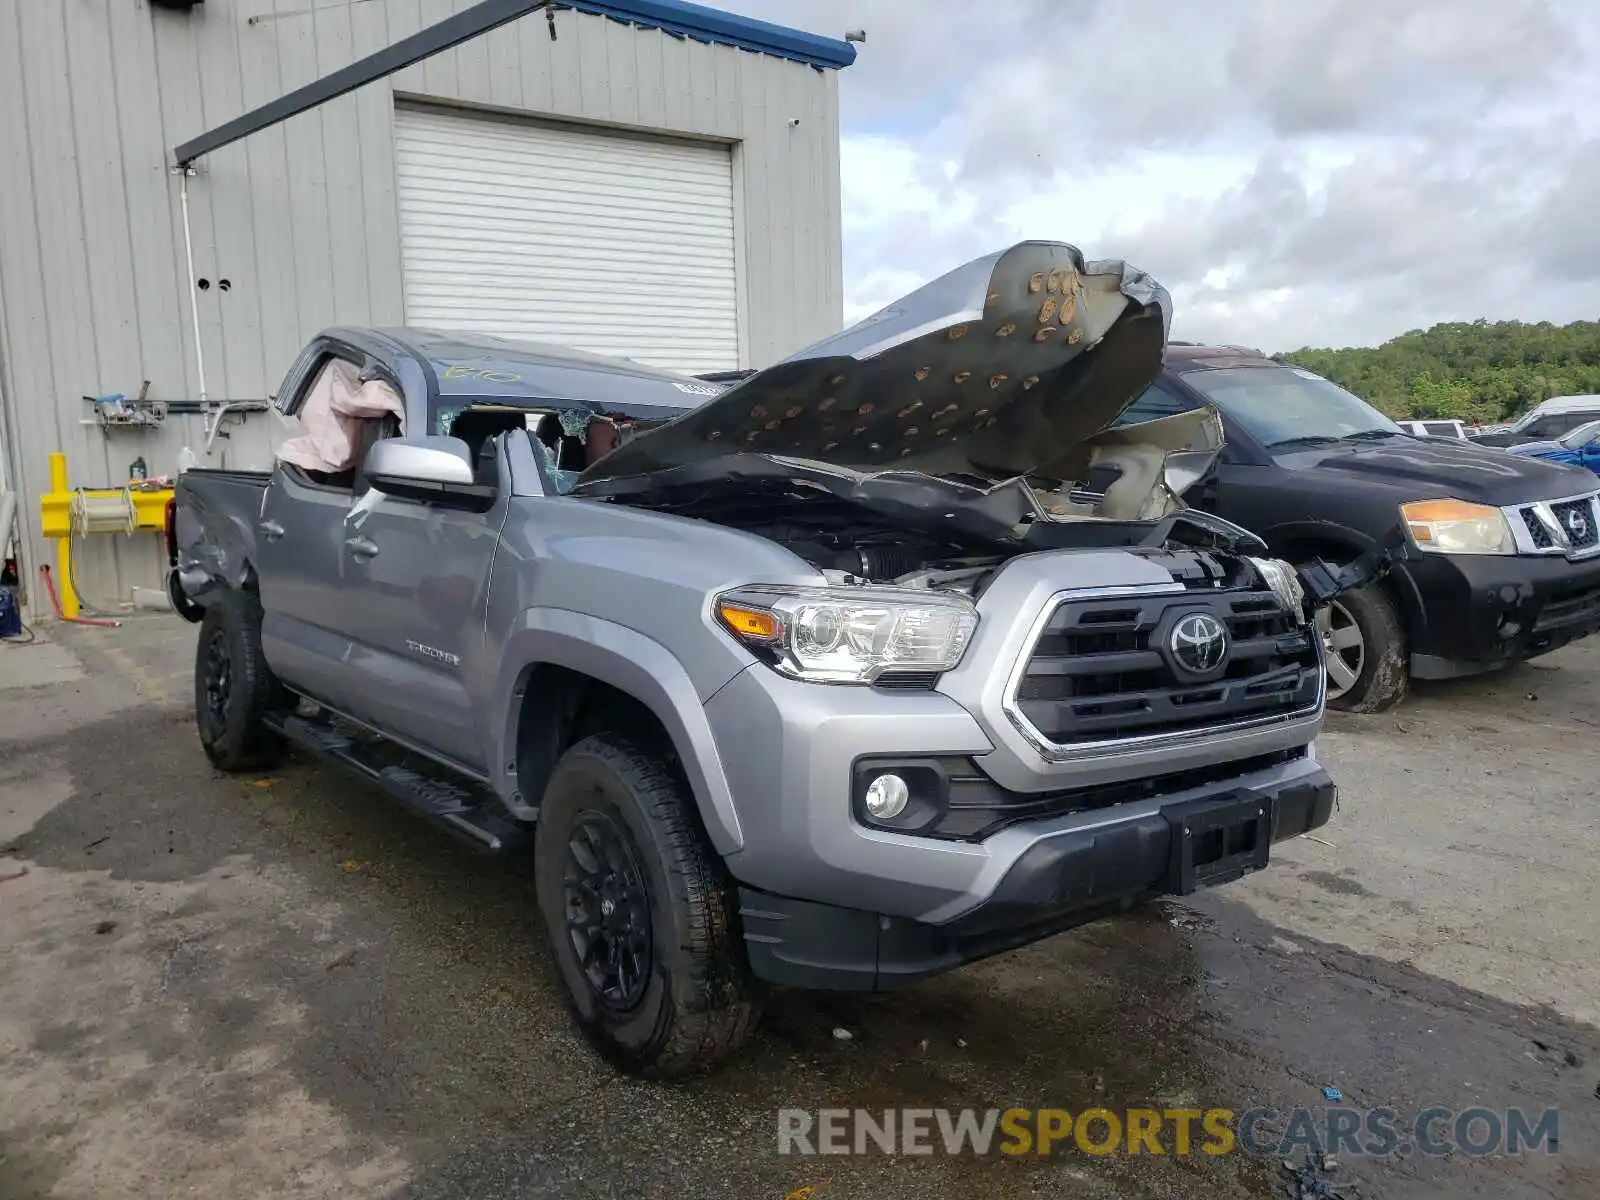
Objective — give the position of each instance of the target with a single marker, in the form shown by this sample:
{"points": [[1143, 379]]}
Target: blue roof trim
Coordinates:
{"points": [[711, 25]]}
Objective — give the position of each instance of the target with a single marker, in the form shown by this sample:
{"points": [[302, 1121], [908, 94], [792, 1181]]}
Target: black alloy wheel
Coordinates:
{"points": [[235, 692], [641, 916], [607, 911], [216, 680]]}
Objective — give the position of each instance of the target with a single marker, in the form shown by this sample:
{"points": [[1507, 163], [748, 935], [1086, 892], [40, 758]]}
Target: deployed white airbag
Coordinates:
{"points": [[330, 419]]}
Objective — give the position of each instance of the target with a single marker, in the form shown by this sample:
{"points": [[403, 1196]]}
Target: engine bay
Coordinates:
{"points": [[849, 547]]}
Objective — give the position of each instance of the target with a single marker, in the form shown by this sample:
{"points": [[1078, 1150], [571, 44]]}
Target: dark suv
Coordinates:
{"points": [[1496, 558]]}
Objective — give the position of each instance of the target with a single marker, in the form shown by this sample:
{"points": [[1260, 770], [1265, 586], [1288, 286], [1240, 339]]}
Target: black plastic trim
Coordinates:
{"points": [[971, 807]]}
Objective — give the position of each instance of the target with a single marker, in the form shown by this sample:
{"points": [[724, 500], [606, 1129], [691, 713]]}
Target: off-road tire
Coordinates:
{"points": [[235, 737], [700, 1004], [1385, 675]]}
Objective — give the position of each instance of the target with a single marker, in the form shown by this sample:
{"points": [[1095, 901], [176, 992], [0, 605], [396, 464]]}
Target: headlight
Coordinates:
{"points": [[849, 635], [1284, 583], [1457, 527]]}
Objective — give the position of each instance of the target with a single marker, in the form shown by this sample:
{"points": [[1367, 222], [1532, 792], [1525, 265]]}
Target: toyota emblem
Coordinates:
{"points": [[1577, 524], [1198, 643]]}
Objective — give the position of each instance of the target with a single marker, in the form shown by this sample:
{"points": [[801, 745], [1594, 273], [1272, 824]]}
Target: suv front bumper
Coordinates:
{"points": [[1062, 880], [1471, 613]]}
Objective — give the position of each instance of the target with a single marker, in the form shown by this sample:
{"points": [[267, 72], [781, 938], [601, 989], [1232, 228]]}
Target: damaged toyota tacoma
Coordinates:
{"points": [[833, 678]]}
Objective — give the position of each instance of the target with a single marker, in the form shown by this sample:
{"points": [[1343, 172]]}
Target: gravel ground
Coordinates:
{"points": [[284, 987]]}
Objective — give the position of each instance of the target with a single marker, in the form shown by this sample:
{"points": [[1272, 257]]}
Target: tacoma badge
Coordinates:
{"points": [[443, 656]]}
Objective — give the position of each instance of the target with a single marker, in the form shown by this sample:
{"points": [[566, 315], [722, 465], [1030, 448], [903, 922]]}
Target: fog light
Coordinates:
{"points": [[887, 796]]}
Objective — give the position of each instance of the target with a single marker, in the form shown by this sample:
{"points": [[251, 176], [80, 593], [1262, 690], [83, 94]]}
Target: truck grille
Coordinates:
{"points": [[1570, 526], [1577, 518], [1109, 669], [1536, 530]]}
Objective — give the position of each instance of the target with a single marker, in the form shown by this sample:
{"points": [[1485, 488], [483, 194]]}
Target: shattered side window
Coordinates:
{"points": [[560, 480], [445, 417]]}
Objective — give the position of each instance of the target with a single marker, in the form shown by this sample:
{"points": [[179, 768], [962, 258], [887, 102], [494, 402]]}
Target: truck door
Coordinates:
{"points": [[415, 591], [298, 547], [297, 552]]}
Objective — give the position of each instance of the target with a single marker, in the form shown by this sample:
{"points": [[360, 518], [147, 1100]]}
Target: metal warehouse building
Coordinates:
{"points": [[645, 178]]}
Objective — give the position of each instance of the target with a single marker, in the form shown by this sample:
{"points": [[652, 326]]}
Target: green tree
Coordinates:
{"points": [[1477, 371]]}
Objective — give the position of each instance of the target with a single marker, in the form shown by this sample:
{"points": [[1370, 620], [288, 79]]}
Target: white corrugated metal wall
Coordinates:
{"points": [[617, 244], [302, 220]]}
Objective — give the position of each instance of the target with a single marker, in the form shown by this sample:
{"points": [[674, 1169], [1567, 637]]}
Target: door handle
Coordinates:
{"points": [[361, 547], [270, 530]]}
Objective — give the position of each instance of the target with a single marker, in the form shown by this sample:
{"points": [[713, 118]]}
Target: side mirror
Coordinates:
{"points": [[433, 470]]}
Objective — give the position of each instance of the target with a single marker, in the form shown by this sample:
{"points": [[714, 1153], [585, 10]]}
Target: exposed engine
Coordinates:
{"points": [[862, 556], [1195, 549]]}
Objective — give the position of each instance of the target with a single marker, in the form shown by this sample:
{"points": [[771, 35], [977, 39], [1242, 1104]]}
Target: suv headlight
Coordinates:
{"points": [[847, 634], [1457, 527]]}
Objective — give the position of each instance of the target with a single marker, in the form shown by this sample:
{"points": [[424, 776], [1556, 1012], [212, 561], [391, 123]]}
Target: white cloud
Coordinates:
{"points": [[1323, 172]]}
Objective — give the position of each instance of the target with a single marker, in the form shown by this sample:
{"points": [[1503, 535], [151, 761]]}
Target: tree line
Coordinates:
{"points": [[1479, 371]]}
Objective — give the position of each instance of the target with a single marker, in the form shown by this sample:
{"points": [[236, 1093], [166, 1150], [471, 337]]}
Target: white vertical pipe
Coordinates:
{"points": [[194, 297]]}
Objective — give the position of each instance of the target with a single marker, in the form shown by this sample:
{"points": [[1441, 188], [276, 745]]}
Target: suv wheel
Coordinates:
{"points": [[234, 689], [1363, 645], [641, 918]]}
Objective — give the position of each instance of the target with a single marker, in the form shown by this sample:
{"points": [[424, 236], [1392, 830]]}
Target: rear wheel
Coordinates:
{"points": [[234, 689], [641, 917], [1363, 644]]}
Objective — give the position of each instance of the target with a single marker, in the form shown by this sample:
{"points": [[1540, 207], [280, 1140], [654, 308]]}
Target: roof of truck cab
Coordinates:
{"points": [[1186, 356], [481, 368]]}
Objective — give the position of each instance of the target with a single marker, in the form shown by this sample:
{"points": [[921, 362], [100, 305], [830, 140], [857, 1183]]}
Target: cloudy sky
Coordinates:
{"points": [[1322, 172]]}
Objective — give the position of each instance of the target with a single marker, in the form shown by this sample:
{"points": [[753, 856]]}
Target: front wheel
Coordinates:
{"points": [[642, 920], [1363, 646], [234, 689]]}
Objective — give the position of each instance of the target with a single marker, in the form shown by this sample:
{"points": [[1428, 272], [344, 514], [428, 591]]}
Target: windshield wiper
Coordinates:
{"points": [[1309, 439], [1368, 435]]}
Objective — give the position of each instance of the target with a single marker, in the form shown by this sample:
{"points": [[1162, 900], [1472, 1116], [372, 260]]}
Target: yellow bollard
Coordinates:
{"points": [[55, 520]]}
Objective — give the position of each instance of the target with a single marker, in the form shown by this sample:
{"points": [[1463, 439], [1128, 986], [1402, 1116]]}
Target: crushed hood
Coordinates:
{"points": [[1004, 367]]}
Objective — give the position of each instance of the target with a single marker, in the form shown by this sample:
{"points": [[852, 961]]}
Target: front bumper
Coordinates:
{"points": [[1007, 836], [1475, 612], [1063, 879], [791, 753]]}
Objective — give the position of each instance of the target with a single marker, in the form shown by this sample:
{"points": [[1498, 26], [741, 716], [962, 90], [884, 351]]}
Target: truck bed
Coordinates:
{"points": [[214, 528]]}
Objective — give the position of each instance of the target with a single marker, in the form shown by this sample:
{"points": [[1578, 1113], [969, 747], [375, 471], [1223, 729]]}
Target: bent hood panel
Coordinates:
{"points": [[1003, 367]]}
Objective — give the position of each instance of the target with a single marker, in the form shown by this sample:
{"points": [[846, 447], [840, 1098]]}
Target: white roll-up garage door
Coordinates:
{"points": [[618, 245]]}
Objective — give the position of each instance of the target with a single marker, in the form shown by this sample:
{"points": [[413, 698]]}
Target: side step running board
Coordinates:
{"points": [[460, 807]]}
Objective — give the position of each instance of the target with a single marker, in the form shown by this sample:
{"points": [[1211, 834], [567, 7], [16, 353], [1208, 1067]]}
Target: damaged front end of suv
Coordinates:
{"points": [[956, 429]]}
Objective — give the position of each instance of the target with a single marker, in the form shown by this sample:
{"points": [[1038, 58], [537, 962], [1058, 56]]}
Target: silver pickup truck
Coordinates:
{"points": [[829, 677]]}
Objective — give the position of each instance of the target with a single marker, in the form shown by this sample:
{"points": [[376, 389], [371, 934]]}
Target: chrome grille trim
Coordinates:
{"points": [[1061, 752], [1538, 528]]}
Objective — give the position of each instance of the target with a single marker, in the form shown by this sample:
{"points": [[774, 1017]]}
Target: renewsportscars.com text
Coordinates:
{"points": [[1351, 1132]]}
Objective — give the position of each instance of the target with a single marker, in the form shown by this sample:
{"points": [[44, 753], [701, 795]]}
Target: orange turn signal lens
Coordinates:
{"points": [[749, 622], [1445, 510]]}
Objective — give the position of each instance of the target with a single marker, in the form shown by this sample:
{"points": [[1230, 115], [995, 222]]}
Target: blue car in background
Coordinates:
{"points": [[1580, 448]]}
